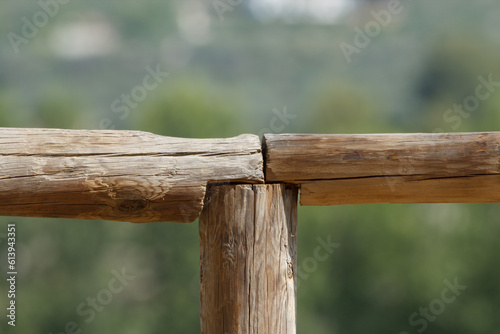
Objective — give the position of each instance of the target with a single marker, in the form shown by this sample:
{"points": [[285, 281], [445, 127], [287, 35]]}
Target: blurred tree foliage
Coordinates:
{"points": [[346, 109], [452, 74], [51, 110], [189, 109]]}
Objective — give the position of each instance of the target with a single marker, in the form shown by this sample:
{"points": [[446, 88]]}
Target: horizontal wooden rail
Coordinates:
{"points": [[118, 175], [387, 168], [141, 177]]}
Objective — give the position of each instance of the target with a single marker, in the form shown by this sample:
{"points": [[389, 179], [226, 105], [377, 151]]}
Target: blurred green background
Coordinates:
{"points": [[234, 66]]}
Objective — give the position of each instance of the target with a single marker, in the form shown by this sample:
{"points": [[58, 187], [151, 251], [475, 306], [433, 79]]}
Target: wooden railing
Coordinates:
{"points": [[245, 195]]}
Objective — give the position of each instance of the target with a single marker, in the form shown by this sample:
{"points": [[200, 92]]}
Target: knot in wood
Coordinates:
{"points": [[132, 205]]}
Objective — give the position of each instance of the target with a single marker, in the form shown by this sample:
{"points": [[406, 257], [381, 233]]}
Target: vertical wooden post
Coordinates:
{"points": [[248, 259]]}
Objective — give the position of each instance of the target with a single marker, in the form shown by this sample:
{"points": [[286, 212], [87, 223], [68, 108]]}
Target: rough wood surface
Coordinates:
{"points": [[248, 260], [117, 175], [387, 168], [477, 189]]}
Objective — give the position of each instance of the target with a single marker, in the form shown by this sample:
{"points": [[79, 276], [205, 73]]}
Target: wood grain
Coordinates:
{"points": [[248, 260], [117, 175], [387, 168], [406, 189]]}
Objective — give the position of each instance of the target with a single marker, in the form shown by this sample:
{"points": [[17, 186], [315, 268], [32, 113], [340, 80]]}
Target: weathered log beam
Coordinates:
{"points": [[387, 168], [141, 177], [117, 175]]}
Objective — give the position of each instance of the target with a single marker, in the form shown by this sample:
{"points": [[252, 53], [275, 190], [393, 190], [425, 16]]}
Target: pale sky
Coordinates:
{"points": [[322, 11]]}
